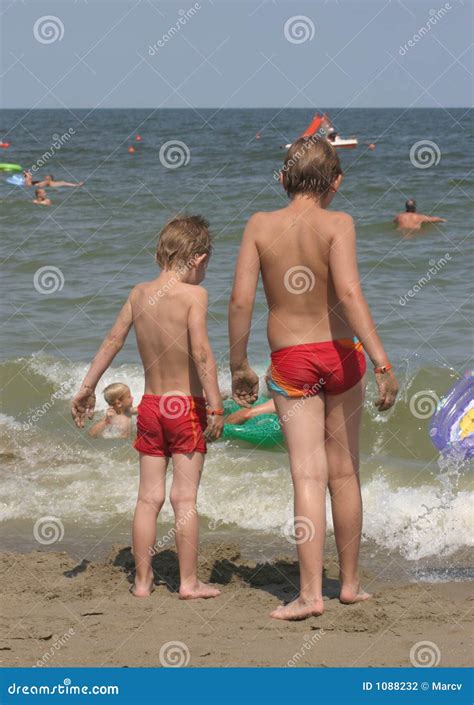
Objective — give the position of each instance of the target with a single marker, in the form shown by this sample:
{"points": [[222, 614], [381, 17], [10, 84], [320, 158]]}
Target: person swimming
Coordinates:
{"points": [[410, 220], [50, 181], [40, 198]]}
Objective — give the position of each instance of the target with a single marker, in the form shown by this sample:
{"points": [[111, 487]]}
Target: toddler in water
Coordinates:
{"points": [[169, 315], [40, 198], [117, 421]]}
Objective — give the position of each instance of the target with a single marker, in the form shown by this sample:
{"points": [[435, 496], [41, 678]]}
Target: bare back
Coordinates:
{"points": [[293, 247], [160, 311]]}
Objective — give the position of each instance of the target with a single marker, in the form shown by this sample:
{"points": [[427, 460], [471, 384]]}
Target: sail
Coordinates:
{"points": [[314, 126]]}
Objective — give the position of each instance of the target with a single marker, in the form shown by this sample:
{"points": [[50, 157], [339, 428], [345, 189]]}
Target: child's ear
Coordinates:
{"points": [[200, 259], [336, 184]]}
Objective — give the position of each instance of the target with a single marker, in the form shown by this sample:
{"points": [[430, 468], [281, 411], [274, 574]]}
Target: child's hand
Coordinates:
{"points": [[83, 405], [109, 415], [214, 427], [244, 386], [388, 390]]}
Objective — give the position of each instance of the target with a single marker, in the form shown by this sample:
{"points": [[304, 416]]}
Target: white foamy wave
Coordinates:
{"points": [[58, 372], [417, 521]]}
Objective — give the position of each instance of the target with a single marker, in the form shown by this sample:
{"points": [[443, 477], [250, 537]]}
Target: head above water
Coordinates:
{"points": [[118, 396], [410, 205], [40, 193], [311, 168], [185, 245]]}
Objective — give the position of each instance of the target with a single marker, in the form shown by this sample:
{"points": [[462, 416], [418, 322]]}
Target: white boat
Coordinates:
{"points": [[322, 125], [339, 142]]}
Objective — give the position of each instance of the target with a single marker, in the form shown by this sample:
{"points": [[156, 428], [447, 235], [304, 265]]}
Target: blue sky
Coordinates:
{"points": [[339, 53]]}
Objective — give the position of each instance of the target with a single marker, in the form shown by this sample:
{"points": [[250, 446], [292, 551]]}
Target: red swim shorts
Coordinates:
{"points": [[172, 423], [333, 367]]}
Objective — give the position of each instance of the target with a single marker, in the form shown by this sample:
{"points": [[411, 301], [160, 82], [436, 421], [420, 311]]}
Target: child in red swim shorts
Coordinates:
{"points": [[169, 315], [306, 255]]}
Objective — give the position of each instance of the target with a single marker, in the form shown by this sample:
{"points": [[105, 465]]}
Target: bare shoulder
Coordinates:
{"points": [[341, 218], [340, 224], [194, 293]]}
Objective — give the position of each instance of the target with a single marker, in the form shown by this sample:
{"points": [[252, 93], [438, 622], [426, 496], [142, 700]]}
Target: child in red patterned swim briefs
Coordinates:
{"points": [[169, 315], [307, 257]]}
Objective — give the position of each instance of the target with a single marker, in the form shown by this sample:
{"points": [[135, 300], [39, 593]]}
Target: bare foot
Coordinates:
{"points": [[142, 589], [198, 591], [299, 609], [351, 595]]}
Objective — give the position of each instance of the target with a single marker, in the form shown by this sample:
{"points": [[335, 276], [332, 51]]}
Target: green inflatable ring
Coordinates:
{"points": [[10, 167], [263, 431]]}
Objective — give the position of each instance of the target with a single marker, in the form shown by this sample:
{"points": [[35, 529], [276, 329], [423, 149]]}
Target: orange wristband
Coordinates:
{"points": [[383, 368], [215, 412]]}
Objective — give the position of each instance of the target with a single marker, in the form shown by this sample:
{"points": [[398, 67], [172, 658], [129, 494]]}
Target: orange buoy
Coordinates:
{"points": [[371, 145], [131, 150], [258, 136]]}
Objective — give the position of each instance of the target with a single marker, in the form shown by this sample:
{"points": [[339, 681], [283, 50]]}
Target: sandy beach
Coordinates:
{"points": [[57, 612]]}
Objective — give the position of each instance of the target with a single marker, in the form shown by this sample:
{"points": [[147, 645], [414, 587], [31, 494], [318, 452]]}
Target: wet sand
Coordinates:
{"points": [[56, 612]]}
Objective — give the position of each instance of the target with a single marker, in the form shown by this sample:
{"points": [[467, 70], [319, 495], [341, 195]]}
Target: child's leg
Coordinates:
{"points": [[151, 496], [343, 414], [303, 425], [186, 477]]}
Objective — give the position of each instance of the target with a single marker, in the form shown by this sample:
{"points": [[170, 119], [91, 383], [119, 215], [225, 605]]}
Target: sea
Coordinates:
{"points": [[68, 268]]}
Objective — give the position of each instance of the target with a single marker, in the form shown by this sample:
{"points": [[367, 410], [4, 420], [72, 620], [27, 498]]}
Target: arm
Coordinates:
{"points": [[433, 219], [345, 276], [84, 401], [247, 271], [204, 360], [243, 415], [68, 183]]}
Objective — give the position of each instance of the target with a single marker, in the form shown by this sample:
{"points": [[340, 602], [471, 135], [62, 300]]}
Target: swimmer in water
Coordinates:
{"points": [[117, 420], [49, 181], [40, 198], [411, 220]]}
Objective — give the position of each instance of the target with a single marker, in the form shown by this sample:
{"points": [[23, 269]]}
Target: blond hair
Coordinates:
{"points": [[311, 167], [115, 391], [182, 240]]}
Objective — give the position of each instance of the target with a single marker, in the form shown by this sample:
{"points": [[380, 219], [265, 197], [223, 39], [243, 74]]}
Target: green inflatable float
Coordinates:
{"points": [[263, 431], [10, 167]]}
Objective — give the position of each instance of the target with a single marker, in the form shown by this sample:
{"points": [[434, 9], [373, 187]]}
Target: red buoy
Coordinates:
{"points": [[138, 138]]}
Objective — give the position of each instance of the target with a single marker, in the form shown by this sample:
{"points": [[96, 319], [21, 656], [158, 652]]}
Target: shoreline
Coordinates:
{"points": [[58, 612]]}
